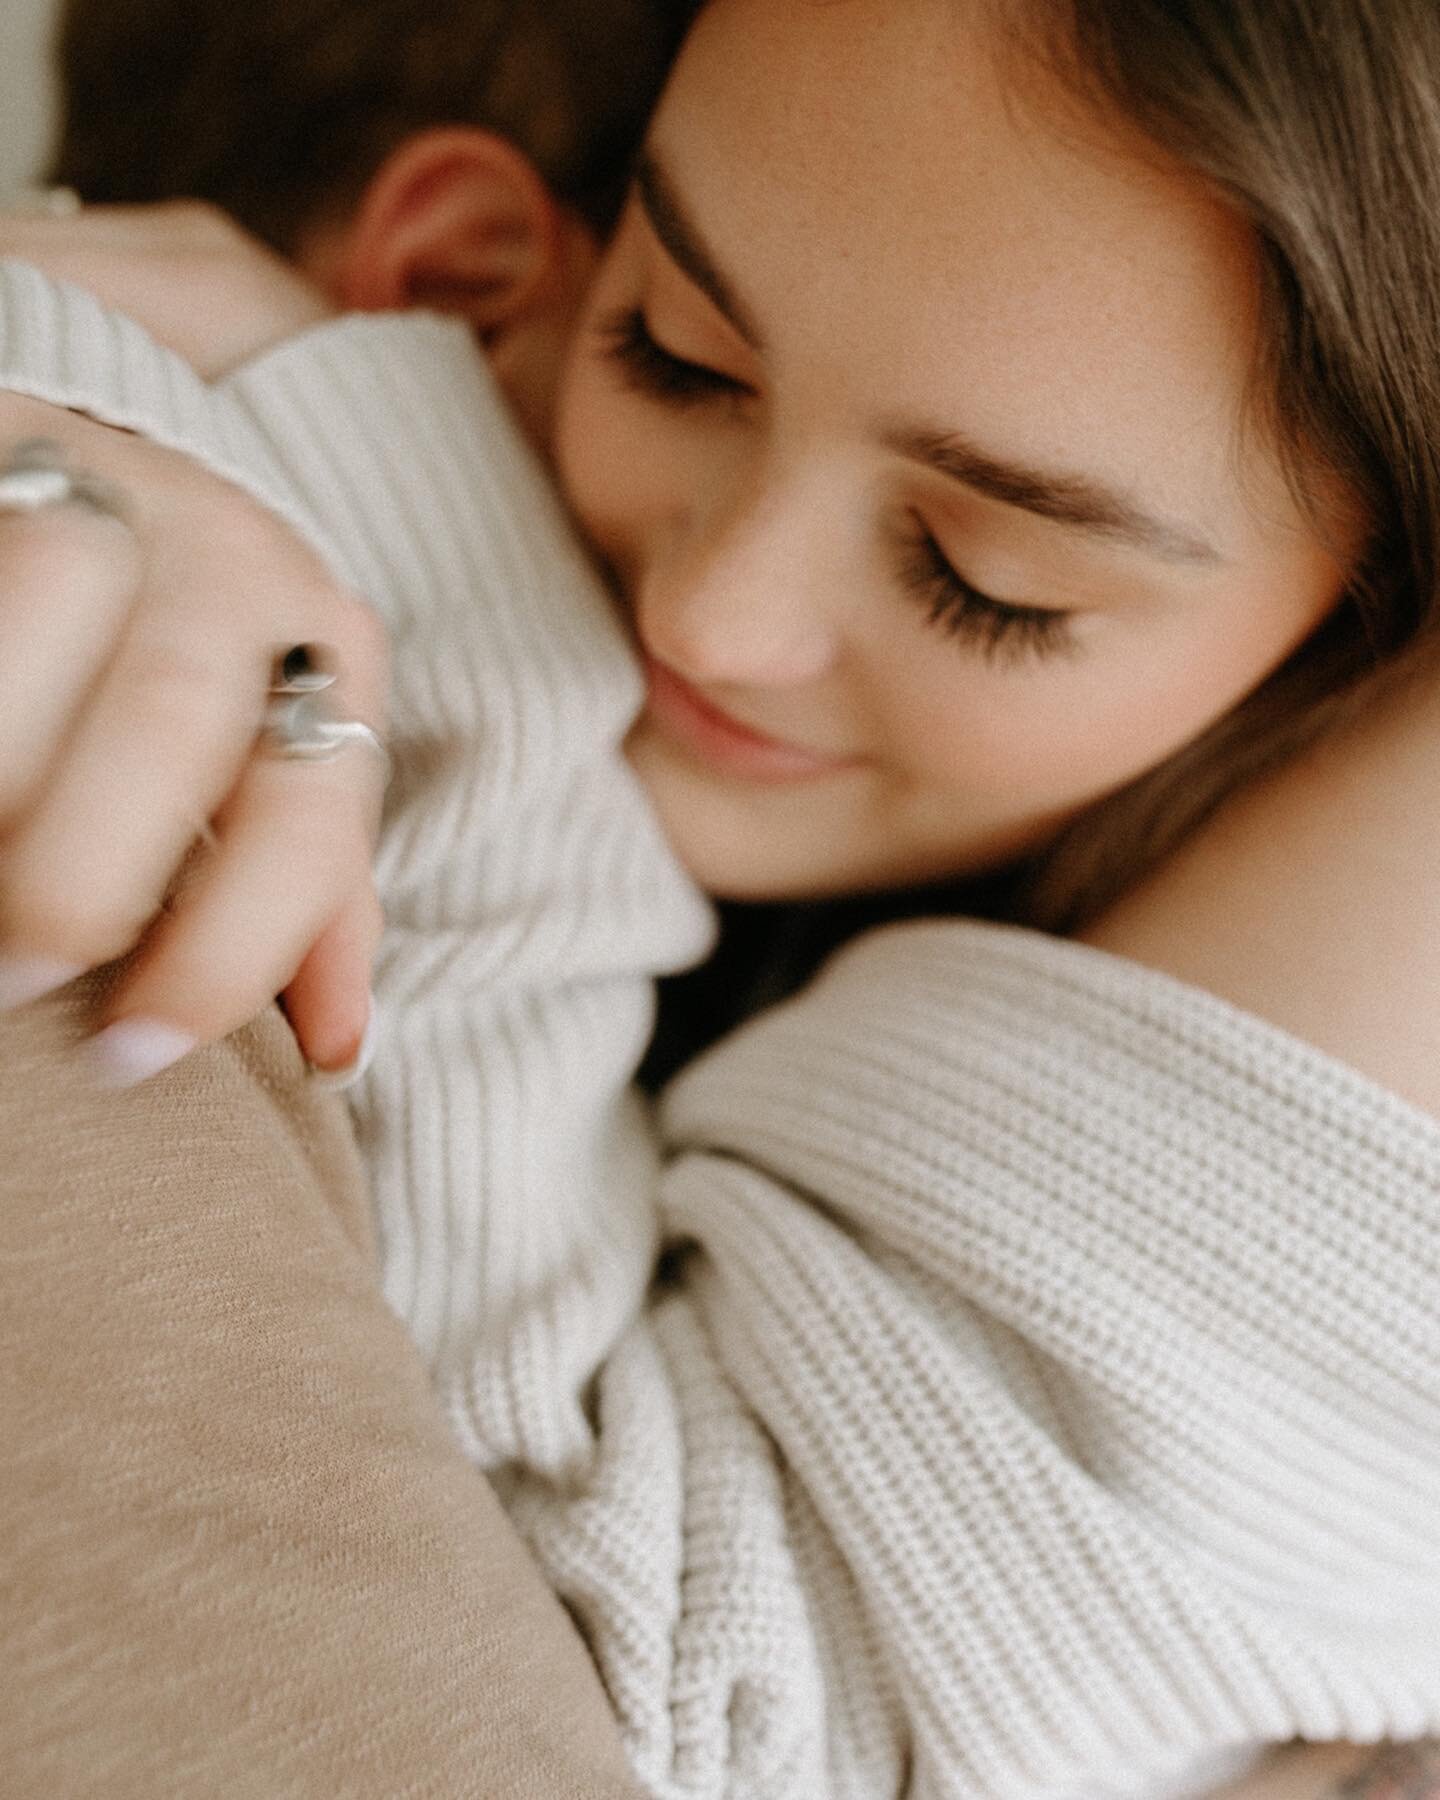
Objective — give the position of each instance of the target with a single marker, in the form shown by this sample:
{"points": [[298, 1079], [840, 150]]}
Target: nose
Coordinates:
{"points": [[745, 598]]}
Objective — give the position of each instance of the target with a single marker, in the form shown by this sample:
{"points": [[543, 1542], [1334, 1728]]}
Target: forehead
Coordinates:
{"points": [[915, 227]]}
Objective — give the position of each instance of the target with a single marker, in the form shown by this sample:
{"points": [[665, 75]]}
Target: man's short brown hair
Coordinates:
{"points": [[280, 111]]}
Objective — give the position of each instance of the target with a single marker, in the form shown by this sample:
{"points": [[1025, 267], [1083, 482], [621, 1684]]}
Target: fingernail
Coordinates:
{"points": [[132, 1050], [27, 978], [335, 1081]]}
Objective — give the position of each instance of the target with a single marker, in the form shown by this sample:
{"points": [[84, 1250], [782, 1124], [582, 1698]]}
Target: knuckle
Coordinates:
{"points": [[229, 529], [178, 698], [362, 645], [62, 920], [239, 527], [58, 551], [360, 636]]}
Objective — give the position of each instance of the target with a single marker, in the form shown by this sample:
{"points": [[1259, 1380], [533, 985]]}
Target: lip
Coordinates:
{"points": [[684, 715]]}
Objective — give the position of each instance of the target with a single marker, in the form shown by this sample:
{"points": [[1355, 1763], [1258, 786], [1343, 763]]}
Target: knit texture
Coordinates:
{"points": [[1041, 1390]]}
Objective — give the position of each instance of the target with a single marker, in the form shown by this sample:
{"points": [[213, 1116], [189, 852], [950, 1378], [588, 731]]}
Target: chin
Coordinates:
{"points": [[731, 859], [726, 870], [810, 843], [723, 840], [733, 854]]}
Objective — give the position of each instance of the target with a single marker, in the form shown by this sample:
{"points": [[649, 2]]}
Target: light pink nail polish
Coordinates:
{"points": [[27, 978], [132, 1050], [335, 1081]]}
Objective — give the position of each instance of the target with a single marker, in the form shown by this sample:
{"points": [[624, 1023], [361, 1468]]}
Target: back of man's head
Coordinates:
{"points": [[280, 111]]}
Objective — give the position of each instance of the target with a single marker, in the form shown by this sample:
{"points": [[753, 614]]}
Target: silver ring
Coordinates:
{"points": [[38, 475], [300, 723]]}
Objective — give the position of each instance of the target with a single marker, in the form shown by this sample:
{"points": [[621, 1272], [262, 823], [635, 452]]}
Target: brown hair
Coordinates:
{"points": [[280, 111], [1318, 121]]}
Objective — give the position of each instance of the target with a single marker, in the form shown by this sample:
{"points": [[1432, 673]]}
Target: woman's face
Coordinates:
{"points": [[914, 433]]}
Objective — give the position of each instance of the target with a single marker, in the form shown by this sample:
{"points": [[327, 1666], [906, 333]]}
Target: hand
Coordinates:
{"points": [[184, 270], [134, 665]]}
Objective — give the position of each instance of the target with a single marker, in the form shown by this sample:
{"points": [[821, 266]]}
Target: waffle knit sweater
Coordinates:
{"points": [[1040, 1388]]}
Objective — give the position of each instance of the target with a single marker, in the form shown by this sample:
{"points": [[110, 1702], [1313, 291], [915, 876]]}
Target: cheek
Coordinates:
{"points": [[616, 463], [949, 717], [586, 425], [1021, 734], [1052, 734]]}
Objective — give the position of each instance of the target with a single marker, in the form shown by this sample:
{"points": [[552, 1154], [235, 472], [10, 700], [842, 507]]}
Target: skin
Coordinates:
{"points": [[857, 678], [763, 528], [1395, 1772], [1344, 1772]]}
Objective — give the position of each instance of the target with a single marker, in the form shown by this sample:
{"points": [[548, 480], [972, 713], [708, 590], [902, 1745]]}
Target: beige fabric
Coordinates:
{"points": [[238, 1552]]}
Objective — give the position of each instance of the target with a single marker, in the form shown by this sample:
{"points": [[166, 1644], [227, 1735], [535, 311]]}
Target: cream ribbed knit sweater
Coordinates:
{"points": [[1047, 1392]]}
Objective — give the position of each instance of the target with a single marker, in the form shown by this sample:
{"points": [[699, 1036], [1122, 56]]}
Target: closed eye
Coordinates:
{"points": [[648, 367], [997, 628]]}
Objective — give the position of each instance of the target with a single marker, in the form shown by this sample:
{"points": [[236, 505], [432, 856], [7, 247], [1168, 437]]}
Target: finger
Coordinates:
{"points": [[88, 867], [329, 1002], [68, 579], [292, 845], [162, 742]]}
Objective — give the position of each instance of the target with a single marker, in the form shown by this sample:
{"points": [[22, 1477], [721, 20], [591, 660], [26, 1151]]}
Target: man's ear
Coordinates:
{"points": [[456, 220]]}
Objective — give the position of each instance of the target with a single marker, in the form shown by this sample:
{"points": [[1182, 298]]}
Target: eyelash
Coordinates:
{"points": [[997, 628], [994, 627], [650, 368]]}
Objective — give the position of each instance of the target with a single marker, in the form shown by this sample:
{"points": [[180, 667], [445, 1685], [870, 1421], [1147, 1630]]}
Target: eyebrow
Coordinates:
{"points": [[686, 248], [1077, 501]]}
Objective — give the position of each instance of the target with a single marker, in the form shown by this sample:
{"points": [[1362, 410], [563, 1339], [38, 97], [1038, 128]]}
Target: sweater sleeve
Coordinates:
{"points": [[1095, 1326], [530, 897]]}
